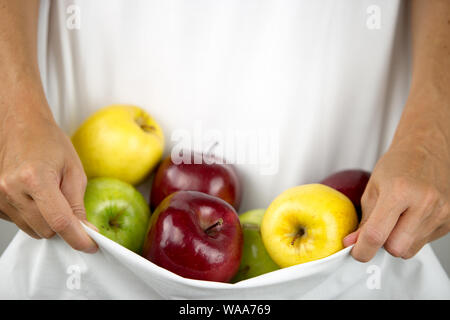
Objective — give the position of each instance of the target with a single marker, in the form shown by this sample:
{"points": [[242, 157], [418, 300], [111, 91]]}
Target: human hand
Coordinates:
{"points": [[42, 181], [406, 203]]}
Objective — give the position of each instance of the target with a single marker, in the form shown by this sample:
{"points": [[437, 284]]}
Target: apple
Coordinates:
{"points": [[211, 176], [352, 183], [118, 210], [119, 141], [196, 236], [254, 216], [307, 223], [255, 259]]}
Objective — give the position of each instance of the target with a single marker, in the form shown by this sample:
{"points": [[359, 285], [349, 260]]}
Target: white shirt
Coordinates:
{"points": [[301, 88]]}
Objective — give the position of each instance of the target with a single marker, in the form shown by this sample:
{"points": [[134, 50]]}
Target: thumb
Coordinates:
{"points": [[351, 238], [368, 202]]}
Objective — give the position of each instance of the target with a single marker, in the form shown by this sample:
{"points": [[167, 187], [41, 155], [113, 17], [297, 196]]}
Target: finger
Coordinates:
{"points": [[57, 212], [351, 238], [430, 232], [24, 207], [415, 224], [32, 216], [15, 218], [22, 225], [368, 201], [439, 232], [415, 248], [409, 229], [419, 243], [73, 186], [4, 216], [10, 213], [378, 226]]}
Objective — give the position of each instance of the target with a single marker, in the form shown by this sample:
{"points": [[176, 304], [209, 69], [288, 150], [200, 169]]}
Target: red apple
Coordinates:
{"points": [[196, 236], [211, 176], [352, 183]]}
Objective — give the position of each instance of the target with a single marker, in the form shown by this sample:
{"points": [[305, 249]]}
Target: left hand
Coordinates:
{"points": [[407, 201]]}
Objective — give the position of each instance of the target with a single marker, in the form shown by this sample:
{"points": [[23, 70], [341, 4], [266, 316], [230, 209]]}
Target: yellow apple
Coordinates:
{"points": [[119, 141], [307, 223]]}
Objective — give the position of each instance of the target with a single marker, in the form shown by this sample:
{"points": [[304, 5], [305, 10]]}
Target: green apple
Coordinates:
{"points": [[252, 217], [255, 259], [118, 210]]}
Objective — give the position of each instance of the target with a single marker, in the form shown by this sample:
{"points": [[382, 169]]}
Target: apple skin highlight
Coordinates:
{"points": [[212, 177], [196, 236], [307, 223]]}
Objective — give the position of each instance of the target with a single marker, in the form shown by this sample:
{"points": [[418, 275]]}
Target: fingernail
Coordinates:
{"points": [[92, 249], [349, 239], [90, 225]]}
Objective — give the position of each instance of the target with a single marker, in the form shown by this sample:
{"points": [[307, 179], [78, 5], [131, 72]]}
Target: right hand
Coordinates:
{"points": [[42, 181]]}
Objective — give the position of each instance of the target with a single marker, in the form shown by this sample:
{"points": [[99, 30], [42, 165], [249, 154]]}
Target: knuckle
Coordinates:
{"points": [[394, 250], [82, 176], [5, 184], [442, 215], [431, 195], [400, 185], [83, 181], [409, 254], [373, 236], [50, 175], [399, 250], [60, 223], [78, 174], [29, 176], [78, 210], [400, 189]]}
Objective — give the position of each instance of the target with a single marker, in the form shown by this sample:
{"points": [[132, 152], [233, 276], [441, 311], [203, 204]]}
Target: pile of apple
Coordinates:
{"points": [[191, 225]]}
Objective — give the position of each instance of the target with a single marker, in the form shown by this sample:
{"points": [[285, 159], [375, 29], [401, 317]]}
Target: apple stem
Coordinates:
{"points": [[147, 128], [141, 123], [217, 223], [300, 233]]}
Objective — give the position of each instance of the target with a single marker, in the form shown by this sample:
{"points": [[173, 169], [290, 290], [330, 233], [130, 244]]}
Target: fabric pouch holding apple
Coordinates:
{"points": [[291, 250], [194, 245], [50, 269]]}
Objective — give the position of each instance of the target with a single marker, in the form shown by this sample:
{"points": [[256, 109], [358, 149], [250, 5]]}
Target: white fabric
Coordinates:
{"points": [[46, 270], [310, 73], [314, 75]]}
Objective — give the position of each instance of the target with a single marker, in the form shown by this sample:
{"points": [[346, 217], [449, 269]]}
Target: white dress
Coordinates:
{"points": [[290, 90]]}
